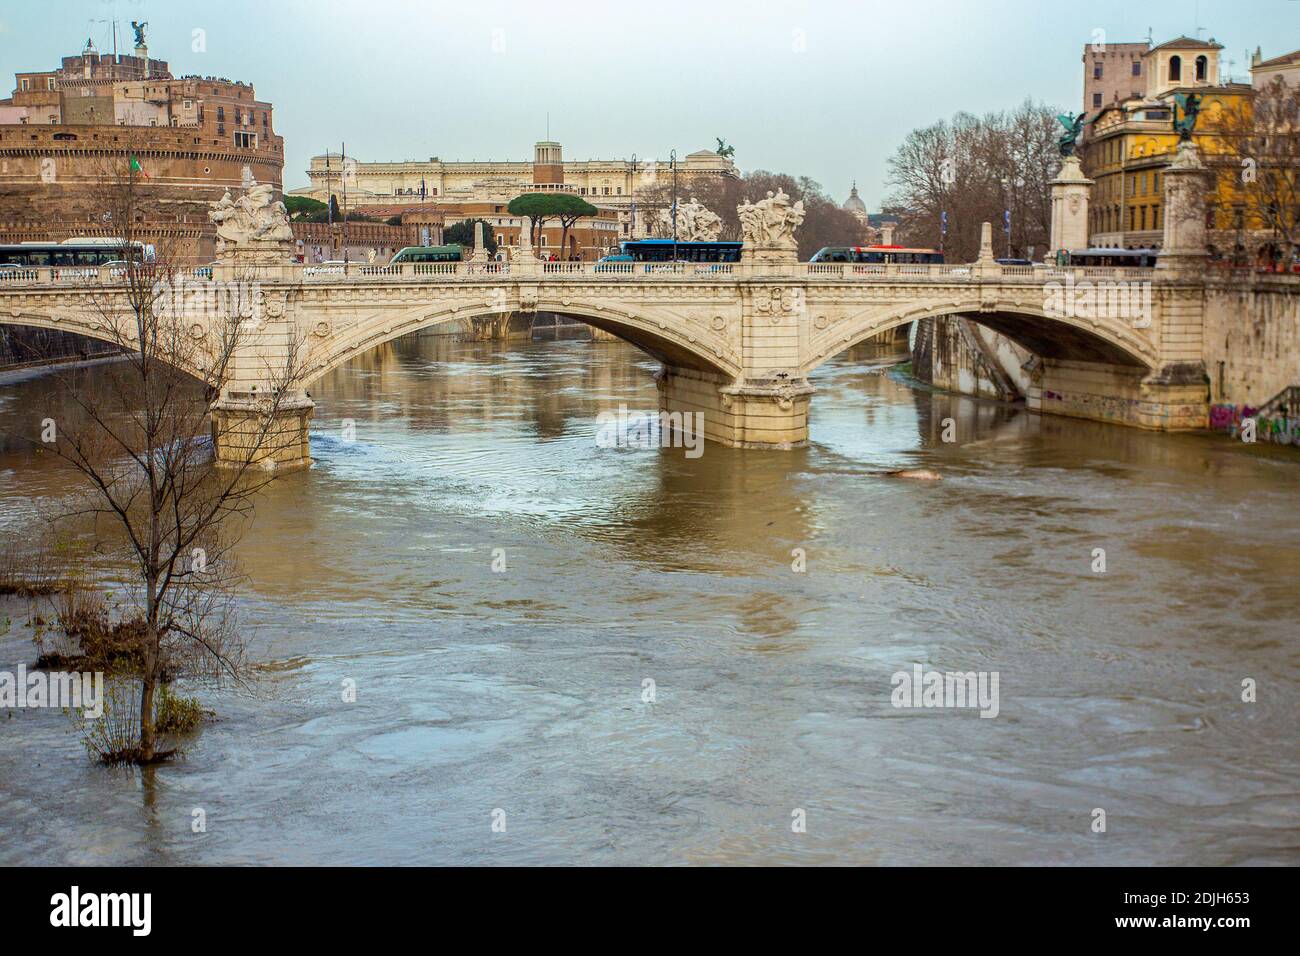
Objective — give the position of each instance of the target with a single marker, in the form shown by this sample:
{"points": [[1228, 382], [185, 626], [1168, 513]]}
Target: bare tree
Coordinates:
{"points": [[1258, 169], [825, 223], [142, 440], [973, 170]]}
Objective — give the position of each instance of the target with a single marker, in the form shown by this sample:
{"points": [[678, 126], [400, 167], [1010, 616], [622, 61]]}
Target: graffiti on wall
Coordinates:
{"points": [[1280, 430]]}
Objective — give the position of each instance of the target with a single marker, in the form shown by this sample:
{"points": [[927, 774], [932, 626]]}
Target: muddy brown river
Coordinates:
{"points": [[650, 679]]}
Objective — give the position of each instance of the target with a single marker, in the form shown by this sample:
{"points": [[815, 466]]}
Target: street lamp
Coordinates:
{"points": [[672, 157], [1006, 212], [631, 188]]}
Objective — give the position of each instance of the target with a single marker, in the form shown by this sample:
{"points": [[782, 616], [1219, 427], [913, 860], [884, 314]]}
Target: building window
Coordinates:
{"points": [[221, 114], [54, 119], [246, 140], [1137, 68], [1175, 68], [49, 83], [1096, 101], [187, 104], [1096, 70], [24, 84], [1132, 218], [1201, 64]]}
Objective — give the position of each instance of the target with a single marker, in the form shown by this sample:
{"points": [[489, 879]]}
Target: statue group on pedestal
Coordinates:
{"points": [[253, 217], [694, 223], [771, 221]]}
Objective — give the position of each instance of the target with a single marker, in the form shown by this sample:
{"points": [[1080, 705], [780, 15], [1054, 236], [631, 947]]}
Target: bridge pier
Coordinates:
{"points": [[1173, 399], [248, 432], [746, 414]]}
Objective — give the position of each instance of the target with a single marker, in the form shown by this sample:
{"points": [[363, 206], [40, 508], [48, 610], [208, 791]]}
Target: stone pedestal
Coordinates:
{"points": [[245, 434], [1186, 181], [774, 258], [1070, 191], [743, 415], [480, 253], [522, 259], [269, 261]]}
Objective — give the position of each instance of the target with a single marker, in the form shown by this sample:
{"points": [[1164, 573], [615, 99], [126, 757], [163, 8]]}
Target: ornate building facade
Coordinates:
{"points": [[1128, 145], [612, 184]]}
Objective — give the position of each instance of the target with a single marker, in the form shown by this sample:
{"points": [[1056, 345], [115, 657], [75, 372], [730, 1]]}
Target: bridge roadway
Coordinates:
{"points": [[737, 341]]}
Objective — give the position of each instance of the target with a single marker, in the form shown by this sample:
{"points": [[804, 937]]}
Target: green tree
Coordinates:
{"points": [[305, 208], [462, 233], [539, 207]]}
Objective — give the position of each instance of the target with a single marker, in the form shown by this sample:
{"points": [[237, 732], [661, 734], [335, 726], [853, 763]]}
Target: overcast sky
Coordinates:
{"points": [[824, 89]]}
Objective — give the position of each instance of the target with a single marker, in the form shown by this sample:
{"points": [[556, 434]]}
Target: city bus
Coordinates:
{"points": [[84, 253], [665, 250], [878, 254], [1132, 258], [452, 253]]}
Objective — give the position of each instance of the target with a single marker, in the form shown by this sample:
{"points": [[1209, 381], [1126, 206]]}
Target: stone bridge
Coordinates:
{"points": [[737, 341]]}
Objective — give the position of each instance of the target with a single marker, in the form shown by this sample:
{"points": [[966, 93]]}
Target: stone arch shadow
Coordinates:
{"points": [[1048, 336], [651, 333], [43, 321]]}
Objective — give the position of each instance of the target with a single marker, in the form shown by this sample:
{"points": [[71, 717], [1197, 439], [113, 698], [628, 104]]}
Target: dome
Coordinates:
{"points": [[854, 204]]}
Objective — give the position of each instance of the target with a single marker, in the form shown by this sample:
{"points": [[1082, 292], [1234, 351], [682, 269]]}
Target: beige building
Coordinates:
{"points": [[1113, 72], [1286, 67], [607, 183]]}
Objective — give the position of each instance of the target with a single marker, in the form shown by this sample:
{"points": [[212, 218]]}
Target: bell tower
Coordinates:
{"points": [[548, 163]]}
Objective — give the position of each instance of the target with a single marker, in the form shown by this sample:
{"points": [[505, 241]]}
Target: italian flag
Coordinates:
{"points": [[137, 168]]}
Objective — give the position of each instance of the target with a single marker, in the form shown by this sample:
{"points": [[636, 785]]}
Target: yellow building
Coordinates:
{"points": [[1129, 143]]}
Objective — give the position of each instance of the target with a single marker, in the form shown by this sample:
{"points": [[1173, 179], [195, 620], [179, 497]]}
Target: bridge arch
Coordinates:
{"points": [[88, 328], [660, 334], [1047, 334]]}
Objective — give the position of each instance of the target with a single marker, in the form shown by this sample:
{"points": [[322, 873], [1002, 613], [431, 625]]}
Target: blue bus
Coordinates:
{"points": [[665, 250]]}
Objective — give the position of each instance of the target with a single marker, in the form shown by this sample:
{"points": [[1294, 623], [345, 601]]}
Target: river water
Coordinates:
{"points": [[521, 695]]}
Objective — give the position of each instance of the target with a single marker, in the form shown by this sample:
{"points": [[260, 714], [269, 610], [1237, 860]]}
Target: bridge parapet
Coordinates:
{"points": [[613, 272]]}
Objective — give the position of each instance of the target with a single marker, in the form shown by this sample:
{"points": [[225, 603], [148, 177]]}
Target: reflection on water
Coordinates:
{"points": [[523, 690]]}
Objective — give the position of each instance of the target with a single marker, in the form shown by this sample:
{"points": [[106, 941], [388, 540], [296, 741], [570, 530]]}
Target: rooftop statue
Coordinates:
{"points": [[1073, 129], [138, 27], [1190, 104], [771, 221]]}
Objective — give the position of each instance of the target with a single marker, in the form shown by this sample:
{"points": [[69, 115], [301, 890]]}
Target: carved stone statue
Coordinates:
{"points": [[695, 223], [771, 222], [139, 31], [252, 220]]}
